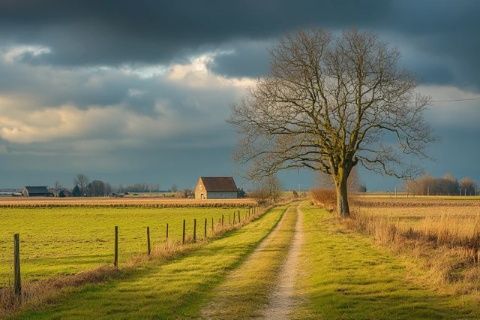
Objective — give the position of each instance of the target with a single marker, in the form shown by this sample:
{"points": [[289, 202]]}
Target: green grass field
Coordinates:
{"points": [[175, 289], [58, 241], [348, 277]]}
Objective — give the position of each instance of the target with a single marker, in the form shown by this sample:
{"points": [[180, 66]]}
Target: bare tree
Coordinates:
{"points": [[98, 188], [57, 186], [268, 189], [81, 181], [329, 104], [446, 185], [468, 186]]}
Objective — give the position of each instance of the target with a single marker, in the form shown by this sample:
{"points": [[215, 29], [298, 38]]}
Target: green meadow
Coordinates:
{"points": [[67, 240], [175, 289]]}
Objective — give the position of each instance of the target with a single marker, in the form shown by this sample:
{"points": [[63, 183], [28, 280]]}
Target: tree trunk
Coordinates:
{"points": [[342, 198]]}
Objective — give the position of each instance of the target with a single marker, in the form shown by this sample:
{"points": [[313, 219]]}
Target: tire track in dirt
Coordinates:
{"points": [[282, 300]]}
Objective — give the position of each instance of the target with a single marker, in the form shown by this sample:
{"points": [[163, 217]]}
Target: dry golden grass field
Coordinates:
{"points": [[442, 233], [155, 202]]}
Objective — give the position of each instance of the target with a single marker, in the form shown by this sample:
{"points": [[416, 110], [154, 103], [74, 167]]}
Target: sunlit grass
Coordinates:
{"points": [[66, 240], [348, 277], [172, 289]]}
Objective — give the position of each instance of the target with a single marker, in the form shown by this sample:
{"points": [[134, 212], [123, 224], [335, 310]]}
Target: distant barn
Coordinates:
{"points": [[36, 191], [216, 188]]}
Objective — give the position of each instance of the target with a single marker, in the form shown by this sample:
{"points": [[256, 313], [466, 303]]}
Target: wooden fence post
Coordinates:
{"points": [[148, 241], [166, 233], [194, 230], [212, 228], [205, 235], [17, 284], [115, 259], [183, 236], [222, 220]]}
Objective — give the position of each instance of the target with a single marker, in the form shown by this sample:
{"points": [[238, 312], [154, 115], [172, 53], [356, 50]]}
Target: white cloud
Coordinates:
{"points": [[15, 53], [197, 74], [71, 123], [187, 99]]}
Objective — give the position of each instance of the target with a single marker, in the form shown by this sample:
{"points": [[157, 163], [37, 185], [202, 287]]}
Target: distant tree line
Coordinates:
{"points": [[83, 187], [446, 185]]}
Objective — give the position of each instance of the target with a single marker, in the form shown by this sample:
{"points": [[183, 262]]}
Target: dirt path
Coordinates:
{"points": [[282, 299], [247, 290]]}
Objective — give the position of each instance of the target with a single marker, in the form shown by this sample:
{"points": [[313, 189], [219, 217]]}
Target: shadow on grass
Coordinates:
{"points": [[349, 277], [173, 288]]}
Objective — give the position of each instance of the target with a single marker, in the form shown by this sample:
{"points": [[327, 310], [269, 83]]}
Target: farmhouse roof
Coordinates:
{"points": [[219, 184], [36, 189]]}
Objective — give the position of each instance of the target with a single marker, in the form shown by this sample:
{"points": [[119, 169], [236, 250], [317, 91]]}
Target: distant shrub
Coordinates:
{"points": [[325, 197]]}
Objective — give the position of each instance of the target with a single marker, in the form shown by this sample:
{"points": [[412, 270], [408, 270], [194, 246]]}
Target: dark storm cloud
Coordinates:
{"points": [[245, 58], [115, 32], [121, 32]]}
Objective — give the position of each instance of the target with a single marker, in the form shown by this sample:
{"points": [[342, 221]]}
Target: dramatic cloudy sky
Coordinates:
{"points": [[138, 91]]}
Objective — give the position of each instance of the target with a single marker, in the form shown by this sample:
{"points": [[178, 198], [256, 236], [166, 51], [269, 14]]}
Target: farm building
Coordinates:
{"points": [[216, 188], [36, 191]]}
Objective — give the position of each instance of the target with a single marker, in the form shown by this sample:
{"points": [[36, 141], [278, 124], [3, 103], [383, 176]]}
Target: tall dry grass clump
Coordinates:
{"points": [[444, 239], [452, 232], [324, 197], [448, 231]]}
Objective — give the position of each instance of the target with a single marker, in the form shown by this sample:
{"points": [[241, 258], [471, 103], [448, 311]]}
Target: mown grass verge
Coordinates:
{"points": [[164, 289], [346, 276]]}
